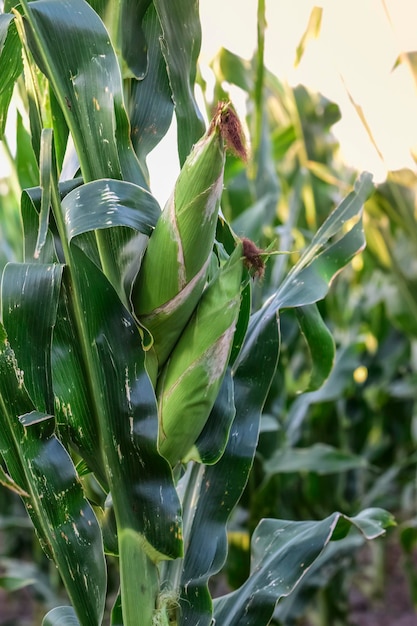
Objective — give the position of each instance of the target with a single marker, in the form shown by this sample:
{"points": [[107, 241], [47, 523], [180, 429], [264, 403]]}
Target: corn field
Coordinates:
{"points": [[194, 401]]}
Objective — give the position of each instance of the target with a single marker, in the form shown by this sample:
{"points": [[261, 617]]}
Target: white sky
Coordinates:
{"points": [[356, 50], [357, 46]]}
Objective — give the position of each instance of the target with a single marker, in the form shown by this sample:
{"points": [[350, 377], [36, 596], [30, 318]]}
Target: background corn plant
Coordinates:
{"points": [[136, 355], [350, 443]]}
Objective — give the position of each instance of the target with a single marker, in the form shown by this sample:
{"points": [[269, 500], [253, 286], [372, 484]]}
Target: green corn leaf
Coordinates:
{"points": [[192, 377], [133, 39], [25, 161], [212, 440], [340, 378], [60, 128], [210, 493], [98, 339], [320, 343], [63, 518], [123, 20], [30, 208], [125, 406], [11, 65], [181, 41], [282, 552], [61, 616], [45, 163], [72, 48], [74, 404], [129, 211], [110, 203], [150, 100], [332, 561], [233, 69], [309, 280], [29, 297], [319, 458]]}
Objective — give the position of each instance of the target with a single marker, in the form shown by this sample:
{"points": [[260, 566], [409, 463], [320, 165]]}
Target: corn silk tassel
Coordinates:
{"points": [[174, 270]]}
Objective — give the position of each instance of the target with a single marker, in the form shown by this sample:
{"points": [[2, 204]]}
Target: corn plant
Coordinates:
{"points": [[134, 364]]}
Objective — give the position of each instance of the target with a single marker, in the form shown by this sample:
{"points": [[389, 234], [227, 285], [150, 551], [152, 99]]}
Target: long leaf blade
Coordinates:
{"points": [[282, 552], [126, 408], [54, 499], [150, 100], [30, 295], [72, 48], [211, 492], [11, 64], [309, 280], [181, 46]]}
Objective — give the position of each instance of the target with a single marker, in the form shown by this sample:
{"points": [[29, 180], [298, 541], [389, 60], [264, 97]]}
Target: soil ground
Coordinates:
{"points": [[391, 605]]}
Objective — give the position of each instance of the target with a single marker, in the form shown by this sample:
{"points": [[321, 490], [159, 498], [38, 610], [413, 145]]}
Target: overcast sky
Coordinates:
{"points": [[356, 51]]}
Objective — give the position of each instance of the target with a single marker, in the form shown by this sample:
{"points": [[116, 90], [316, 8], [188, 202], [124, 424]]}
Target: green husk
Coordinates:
{"points": [[191, 378], [180, 247]]}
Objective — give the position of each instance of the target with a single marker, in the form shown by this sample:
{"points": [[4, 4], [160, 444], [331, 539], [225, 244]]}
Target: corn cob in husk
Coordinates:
{"points": [[174, 270], [190, 381]]}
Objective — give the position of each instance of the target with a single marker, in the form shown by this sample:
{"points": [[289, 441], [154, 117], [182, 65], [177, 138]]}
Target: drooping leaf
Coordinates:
{"points": [[128, 211], [61, 616], [282, 552], [337, 556], [311, 32], [107, 203], [339, 379], [309, 280]]}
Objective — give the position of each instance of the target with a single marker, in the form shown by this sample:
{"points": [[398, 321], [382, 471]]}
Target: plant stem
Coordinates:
{"points": [[138, 580], [259, 79]]}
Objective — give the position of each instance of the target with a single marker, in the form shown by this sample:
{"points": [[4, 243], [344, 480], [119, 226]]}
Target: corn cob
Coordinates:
{"points": [[190, 381], [174, 270]]}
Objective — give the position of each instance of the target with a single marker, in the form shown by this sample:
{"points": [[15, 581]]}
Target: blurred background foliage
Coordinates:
{"points": [[347, 445]]}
